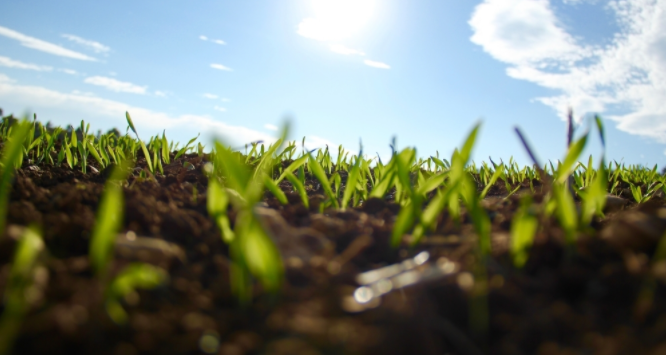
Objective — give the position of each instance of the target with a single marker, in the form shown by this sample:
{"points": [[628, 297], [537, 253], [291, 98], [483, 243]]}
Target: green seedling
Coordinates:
{"points": [[107, 223], [320, 174], [352, 178], [20, 286], [124, 285], [499, 172], [217, 203], [253, 252], [11, 160], [298, 187], [143, 145], [184, 149], [524, 226]]}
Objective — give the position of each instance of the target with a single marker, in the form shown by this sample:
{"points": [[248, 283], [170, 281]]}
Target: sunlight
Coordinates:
{"points": [[336, 19]]}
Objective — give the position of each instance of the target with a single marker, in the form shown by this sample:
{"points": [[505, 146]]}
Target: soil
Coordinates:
{"points": [[602, 296]]}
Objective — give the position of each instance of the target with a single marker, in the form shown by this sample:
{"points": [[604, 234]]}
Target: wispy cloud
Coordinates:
{"points": [[220, 67], [217, 41], [374, 64], [69, 71], [210, 96], [43, 46], [93, 45], [219, 108], [5, 79], [11, 63], [270, 127], [112, 113], [338, 48], [160, 93], [224, 99], [115, 85], [629, 72]]}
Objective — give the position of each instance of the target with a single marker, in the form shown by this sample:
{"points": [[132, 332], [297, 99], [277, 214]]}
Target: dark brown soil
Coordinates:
{"points": [[582, 300]]}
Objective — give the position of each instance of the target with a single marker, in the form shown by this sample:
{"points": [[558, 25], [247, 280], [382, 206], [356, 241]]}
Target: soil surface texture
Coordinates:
{"points": [[602, 296]]}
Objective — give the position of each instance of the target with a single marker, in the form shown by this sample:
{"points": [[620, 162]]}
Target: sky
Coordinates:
{"points": [[344, 71]]}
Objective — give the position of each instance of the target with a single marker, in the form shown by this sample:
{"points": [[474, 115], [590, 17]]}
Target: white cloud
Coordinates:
{"points": [[83, 93], [220, 67], [160, 93], [629, 72], [95, 46], [315, 142], [69, 71], [11, 63], [221, 109], [338, 48], [5, 79], [115, 85], [216, 41], [224, 99], [43, 46], [210, 96], [380, 65], [271, 127], [112, 113]]}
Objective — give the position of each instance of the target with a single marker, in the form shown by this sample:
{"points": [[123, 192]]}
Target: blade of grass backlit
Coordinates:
{"points": [[570, 160], [107, 222], [432, 183], [292, 167], [499, 172], [298, 186], [217, 202], [566, 211], [134, 276], [319, 173], [275, 190], [29, 247], [352, 178], [524, 226], [262, 257], [466, 150], [11, 157], [143, 145], [184, 149], [403, 223], [237, 173]]}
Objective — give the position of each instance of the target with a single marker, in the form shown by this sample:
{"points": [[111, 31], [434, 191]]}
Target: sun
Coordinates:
{"points": [[336, 20]]}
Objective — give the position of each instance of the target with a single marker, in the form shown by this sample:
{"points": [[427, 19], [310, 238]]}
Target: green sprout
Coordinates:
{"points": [[107, 222], [11, 160], [20, 282], [124, 285], [253, 252], [524, 226], [143, 146]]}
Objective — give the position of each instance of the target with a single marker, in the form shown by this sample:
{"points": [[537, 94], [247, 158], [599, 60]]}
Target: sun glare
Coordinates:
{"points": [[335, 20]]}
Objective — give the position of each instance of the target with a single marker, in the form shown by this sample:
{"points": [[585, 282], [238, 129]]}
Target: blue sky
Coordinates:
{"points": [[425, 71]]}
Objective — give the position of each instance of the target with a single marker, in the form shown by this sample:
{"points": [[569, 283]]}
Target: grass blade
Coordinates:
{"points": [[107, 222], [11, 160], [319, 173], [16, 305]]}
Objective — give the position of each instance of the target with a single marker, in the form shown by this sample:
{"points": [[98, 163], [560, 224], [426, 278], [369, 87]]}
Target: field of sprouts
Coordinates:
{"points": [[110, 244]]}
